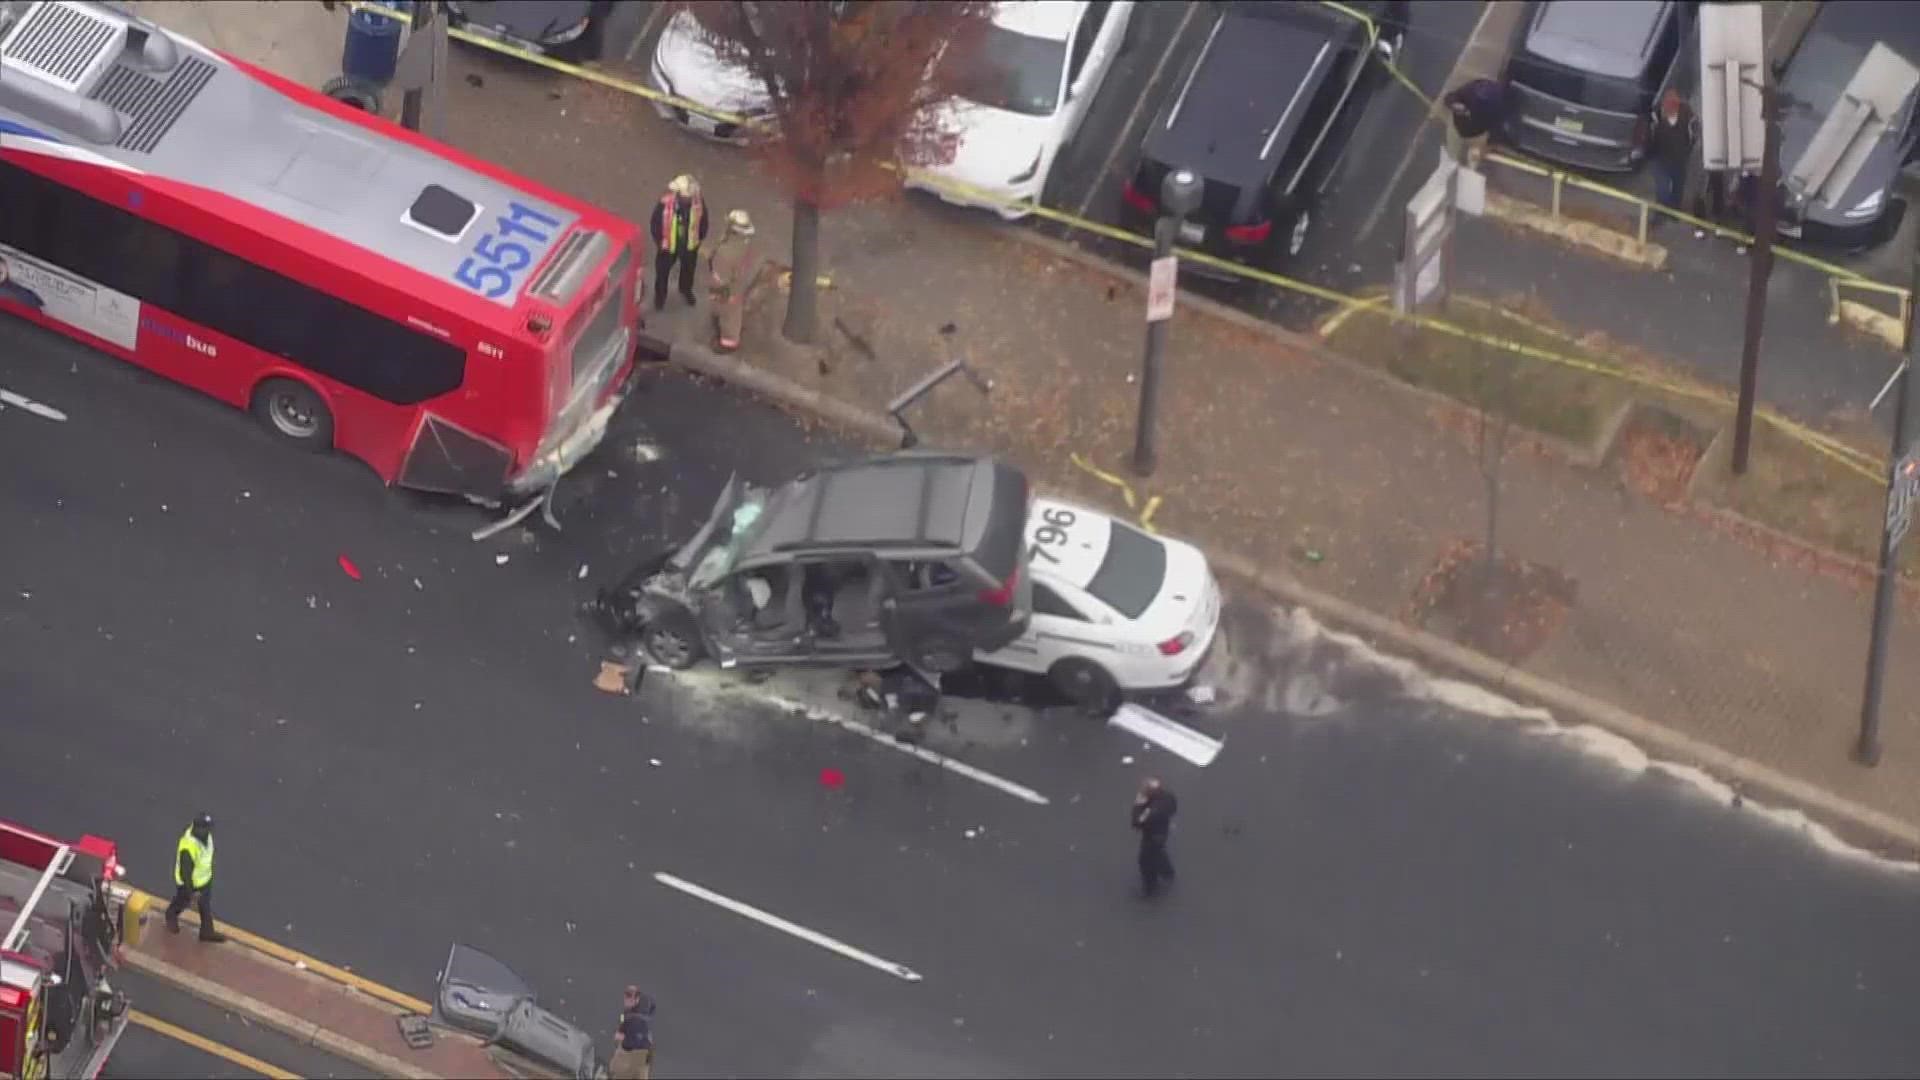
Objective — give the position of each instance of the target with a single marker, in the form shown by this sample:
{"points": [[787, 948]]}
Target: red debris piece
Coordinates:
{"points": [[352, 571], [832, 778]]}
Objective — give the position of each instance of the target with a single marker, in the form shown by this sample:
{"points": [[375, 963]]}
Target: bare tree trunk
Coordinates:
{"points": [[1492, 452], [803, 304]]}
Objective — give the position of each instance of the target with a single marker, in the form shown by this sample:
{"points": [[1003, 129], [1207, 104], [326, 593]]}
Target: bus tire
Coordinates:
{"points": [[292, 411], [357, 93]]}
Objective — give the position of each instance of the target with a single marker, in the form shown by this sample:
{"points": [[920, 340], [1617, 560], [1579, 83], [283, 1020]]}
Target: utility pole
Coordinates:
{"points": [[1766, 223], [1903, 483], [1179, 196]]}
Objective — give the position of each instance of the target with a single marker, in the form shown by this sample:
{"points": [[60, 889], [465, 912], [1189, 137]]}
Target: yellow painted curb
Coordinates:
{"points": [[1872, 322], [295, 958], [1581, 234], [278, 1019]]}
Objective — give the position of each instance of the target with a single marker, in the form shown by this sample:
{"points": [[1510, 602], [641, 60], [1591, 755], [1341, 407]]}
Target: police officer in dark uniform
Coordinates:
{"points": [[1153, 811]]}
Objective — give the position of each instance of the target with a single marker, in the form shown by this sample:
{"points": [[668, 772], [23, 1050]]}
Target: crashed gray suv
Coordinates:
{"points": [[912, 557]]}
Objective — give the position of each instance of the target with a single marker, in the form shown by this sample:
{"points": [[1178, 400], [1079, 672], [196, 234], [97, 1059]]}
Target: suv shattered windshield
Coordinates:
{"points": [[738, 517]]}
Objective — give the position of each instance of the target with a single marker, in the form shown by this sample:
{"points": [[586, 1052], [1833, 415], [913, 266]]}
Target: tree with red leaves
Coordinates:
{"points": [[855, 90]]}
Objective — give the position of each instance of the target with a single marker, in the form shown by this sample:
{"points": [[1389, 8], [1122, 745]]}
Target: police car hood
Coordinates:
{"points": [[1124, 567]]}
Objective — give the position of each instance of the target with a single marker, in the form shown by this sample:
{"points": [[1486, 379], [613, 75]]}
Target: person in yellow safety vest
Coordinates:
{"points": [[193, 877], [735, 271], [679, 227]]}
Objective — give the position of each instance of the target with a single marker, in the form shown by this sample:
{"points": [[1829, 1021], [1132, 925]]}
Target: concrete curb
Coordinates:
{"points": [[286, 1023], [1855, 822]]}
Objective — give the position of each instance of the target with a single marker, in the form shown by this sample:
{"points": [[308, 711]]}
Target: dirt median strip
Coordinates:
{"points": [[1852, 821]]}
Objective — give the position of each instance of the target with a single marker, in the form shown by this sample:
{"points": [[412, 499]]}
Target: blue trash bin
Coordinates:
{"points": [[373, 45]]}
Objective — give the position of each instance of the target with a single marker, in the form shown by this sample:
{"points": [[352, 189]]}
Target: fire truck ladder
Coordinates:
{"points": [[17, 934]]}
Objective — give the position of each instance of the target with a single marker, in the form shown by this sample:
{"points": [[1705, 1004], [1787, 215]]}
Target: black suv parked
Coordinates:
{"points": [[1261, 116], [1586, 75]]}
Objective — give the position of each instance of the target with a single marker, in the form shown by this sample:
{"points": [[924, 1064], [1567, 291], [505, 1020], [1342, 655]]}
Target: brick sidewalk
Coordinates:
{"points": [[303, 1005], [1268, 450]]}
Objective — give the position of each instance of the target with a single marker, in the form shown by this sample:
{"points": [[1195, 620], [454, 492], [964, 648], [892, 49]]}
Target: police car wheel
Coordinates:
{"points": [[292, 411], [1086, 684]]}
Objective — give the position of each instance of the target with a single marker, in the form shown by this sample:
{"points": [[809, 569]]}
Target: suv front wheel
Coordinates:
{"points": [[672, 641]]}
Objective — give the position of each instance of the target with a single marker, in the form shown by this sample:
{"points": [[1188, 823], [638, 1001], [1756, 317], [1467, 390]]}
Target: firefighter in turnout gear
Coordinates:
{"points": [[679, 226], [193, 878], [735, 270]]}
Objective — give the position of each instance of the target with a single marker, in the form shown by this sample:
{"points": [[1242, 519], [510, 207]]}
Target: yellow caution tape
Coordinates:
{"points": [[1126, 489]]}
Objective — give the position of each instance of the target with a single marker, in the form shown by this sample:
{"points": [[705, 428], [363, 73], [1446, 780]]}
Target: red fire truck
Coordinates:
{"points": [[64, 914]]}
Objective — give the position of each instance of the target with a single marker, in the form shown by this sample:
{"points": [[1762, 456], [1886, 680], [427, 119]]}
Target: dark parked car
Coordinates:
{"points": [[1261, 115], [569, 30], [915, 557], [1841, 34], [1586, 75]]}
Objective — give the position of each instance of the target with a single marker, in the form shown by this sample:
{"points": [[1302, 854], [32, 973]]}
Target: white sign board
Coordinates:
{"points": [[1470, 192], [1732, 134], [1160, 288]]}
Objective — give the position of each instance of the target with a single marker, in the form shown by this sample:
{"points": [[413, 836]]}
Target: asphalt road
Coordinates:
{"points": [[150, 1051], [1372, 883]]}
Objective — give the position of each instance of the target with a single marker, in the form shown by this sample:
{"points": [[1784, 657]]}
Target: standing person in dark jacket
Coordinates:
{"points": [[1672, 147], [1477, 108], [1153, 811], [193, 878], [679, 226], [633, 1039]]}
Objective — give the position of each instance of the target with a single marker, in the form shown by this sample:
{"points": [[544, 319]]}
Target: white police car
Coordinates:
{"points": [[1114, 608]]}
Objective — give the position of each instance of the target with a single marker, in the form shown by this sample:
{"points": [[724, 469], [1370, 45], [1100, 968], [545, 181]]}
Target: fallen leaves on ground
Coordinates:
{"points": [[1657, 464], [1508, 613]]}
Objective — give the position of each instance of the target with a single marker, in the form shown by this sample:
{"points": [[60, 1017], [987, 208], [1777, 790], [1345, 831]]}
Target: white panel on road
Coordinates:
{"points": [[1169, 735]]}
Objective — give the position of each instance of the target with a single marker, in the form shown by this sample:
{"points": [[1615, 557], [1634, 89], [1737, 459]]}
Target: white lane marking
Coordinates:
{"points": [[960, 768], [1420, 133], [1169, 734], [48, 412], [767, 918], [1124, 140]]}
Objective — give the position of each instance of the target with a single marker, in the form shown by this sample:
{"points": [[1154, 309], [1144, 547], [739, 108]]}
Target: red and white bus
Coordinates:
{"points": [[355, 285]]}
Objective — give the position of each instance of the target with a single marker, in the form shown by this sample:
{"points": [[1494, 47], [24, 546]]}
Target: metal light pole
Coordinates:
{"points": [[1179, 196], [1903, 481]]}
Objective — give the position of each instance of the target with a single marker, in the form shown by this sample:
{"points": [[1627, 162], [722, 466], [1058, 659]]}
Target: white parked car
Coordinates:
{"points": [[1036, 75], [1115, 608], [686, 67]]}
